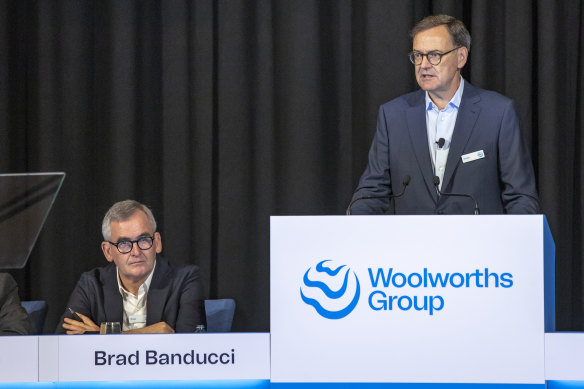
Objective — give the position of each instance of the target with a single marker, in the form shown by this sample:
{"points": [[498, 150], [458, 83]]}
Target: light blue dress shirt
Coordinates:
{"points": [[440, 124]]}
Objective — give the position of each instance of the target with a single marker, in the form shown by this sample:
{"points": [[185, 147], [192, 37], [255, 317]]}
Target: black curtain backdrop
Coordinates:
{"points": [[221, 113]]}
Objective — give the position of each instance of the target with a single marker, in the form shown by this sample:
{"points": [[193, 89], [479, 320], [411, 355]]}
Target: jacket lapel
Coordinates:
{"points": [[112, 299], [465, 122], [158, 291], [416, 119]]}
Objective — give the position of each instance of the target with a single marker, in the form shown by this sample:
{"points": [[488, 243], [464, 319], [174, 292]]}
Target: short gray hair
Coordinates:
{"points": [[123, 210], [458, 32]]}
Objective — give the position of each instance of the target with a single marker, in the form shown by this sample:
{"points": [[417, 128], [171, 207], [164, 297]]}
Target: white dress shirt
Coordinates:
{"points": [[135, 306]]}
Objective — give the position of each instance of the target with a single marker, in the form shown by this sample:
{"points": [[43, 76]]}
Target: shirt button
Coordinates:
{"points": [[441, 168]]}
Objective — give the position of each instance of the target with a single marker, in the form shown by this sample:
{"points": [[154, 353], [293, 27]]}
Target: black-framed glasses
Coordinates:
{"points": [[125, 246], [434, 57]]}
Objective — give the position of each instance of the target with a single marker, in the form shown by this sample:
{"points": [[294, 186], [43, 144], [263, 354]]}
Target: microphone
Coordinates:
{"points": [[405, 183], [436, 182], [440, 142]]}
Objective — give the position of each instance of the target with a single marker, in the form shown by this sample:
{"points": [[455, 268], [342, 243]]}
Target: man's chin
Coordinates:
{"points": [[426, 85], [137, 270]]}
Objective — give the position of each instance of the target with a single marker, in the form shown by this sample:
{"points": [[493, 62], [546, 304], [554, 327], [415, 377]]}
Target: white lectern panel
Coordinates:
{"points": [[445, 299]]}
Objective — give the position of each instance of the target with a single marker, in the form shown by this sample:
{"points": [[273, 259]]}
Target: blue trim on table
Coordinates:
{"points": [[227, 384], [265, 384], [565, 384], [395, 385]]}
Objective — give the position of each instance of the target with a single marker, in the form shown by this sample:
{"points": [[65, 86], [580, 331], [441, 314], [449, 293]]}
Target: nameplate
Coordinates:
{"points": [[564, 356], [164, 357], [19, 359]]}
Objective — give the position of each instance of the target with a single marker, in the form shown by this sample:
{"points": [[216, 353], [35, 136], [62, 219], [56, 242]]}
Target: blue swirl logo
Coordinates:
{"points": [[331, 275]]}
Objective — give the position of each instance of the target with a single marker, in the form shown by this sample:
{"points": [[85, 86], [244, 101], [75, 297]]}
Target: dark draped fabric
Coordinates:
{"points": [[218, 114]]}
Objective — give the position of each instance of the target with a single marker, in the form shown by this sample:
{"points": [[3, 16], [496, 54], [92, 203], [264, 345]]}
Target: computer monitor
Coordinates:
{"points": [[25, 202]]}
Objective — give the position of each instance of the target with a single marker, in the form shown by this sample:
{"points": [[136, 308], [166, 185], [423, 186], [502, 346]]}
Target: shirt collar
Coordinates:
{"points": [[454, 102], [143, 288]]}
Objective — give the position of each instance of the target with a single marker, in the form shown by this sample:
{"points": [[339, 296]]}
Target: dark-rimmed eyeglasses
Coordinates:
{"points": [[434, 57], [125, 246]]}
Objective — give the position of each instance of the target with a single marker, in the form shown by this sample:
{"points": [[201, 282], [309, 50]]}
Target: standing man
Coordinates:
{"points": [[447, 137], [138, 288]]}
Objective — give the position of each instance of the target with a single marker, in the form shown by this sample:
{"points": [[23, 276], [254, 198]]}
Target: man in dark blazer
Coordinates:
{"points": [[13, 317], [138, 288], [447, 137]]}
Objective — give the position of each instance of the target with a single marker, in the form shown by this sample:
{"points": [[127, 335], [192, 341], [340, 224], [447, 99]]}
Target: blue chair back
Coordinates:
{"points": [[219, 314], [37, 311]]}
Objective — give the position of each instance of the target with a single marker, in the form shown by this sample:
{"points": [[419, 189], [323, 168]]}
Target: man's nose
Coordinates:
{"points": [[135, 249], [425, 63]]}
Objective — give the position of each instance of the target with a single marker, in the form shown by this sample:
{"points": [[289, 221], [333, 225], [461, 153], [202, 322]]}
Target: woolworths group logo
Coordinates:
{"points": [[333, 291]]}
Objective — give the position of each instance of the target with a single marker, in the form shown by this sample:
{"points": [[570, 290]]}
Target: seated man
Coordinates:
{"points": [[138, 288], [13, 317]]}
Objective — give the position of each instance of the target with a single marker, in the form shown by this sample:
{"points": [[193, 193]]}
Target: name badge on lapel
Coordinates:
{"points": [[473, 156], [134, 319]]}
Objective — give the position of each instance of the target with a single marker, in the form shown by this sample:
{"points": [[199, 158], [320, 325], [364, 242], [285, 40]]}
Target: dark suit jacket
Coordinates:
{"points": [[502, 182], [13, 317], [175, 296]]}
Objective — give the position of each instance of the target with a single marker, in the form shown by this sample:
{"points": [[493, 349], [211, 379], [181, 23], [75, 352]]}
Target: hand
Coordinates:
{"points": [[75, 327], [158, 328]]}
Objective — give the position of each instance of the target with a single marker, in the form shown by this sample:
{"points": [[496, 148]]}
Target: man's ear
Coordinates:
{"points": [[462, 56], [106, 247], [158, 242]]}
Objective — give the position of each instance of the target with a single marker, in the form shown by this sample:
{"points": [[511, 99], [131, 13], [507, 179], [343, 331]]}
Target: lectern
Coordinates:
{"points": [[411, 299]]}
